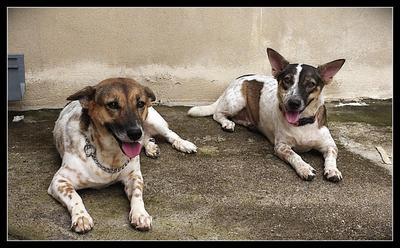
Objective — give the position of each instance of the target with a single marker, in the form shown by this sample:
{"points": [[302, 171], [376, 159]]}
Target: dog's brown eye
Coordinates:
{"points": [[113, 105], [311, 85], [140, 104], [286, 82]]}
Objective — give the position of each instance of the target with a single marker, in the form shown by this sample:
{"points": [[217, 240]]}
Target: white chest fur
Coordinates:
{"points": [[274, 126], [82, 170]]}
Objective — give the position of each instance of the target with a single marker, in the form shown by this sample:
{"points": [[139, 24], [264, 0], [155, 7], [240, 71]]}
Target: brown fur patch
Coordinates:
{"points": [[97, 136], [251, 90], [145, 113], [127, 92], [321, 116], [285, 152], [133, 176], [84, 120], [138, 185], [66, 189], [281, 94]]}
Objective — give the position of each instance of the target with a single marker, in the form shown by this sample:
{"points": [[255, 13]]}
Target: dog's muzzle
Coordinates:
{"points": [[128, 140], [293, 108]]}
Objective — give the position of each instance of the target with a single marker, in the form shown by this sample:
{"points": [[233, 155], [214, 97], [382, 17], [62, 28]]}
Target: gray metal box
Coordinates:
{"points": [[16, 77]]}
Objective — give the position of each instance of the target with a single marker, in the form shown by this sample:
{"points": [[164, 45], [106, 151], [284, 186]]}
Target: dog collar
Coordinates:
{"points": [[90, 151], [305, 120]]}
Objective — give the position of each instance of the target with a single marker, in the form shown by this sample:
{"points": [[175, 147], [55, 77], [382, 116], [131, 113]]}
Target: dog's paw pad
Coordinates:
{"points": [[141, 221], [152, 150], [82, 223], [184, 146], [306, 172], [333, 175]]}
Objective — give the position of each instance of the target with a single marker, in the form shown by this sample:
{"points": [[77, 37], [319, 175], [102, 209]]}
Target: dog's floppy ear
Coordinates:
{"points": [[84, 96], [278, 62], [328, 70], [150, 94]]}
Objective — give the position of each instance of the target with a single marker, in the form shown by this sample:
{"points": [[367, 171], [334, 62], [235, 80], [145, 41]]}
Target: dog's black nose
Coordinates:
{"points": [[134, 133], [294, 104]]}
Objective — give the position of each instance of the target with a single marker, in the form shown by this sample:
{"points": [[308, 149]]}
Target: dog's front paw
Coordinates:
{"points": [[228, 126], [306, 172], [82, 222], [333, 175], [184, 146], [140, 220], [152, 150]]}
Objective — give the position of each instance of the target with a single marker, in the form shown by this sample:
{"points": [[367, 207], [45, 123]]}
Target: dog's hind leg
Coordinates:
{"points": [[303, 169], [229, 105], [62, 189], [156, 125], [226, 124]]}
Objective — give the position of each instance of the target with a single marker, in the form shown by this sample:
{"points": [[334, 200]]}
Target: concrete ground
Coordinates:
{"points": [[234, 188]]}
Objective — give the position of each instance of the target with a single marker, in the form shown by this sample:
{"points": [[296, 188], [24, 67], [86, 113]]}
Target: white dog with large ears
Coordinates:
{"points": [[287, 107]]}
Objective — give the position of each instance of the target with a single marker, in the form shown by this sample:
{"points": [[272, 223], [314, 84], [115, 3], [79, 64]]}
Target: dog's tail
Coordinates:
{"points": [[203, 110]]}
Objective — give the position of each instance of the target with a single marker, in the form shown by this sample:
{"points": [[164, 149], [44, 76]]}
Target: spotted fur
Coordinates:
{"points": [[90, 114], [272, 104]]}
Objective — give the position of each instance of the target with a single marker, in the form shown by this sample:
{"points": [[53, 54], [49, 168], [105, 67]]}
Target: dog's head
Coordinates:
{"points": [[299, 84], [118, 106]]}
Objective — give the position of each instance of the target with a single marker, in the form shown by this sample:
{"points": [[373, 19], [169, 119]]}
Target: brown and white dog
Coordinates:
{"points": [[287, 108], [99, 136]]}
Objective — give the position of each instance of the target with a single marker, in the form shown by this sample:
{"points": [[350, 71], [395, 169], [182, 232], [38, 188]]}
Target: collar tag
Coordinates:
{"points": [[90, 151]]}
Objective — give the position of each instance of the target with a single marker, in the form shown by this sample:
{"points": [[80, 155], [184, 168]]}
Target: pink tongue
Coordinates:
{"points": [[292, 117], [131, 149]]}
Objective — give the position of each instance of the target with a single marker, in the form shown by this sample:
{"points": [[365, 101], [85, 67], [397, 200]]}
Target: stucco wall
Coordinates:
{"points": [[189, 55]]}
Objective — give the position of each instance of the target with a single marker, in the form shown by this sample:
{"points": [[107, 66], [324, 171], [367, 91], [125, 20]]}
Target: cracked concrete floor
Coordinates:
{"points": [[234, 188]]}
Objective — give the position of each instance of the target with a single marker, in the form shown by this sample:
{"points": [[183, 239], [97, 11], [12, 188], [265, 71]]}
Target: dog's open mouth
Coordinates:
{"points": [[292, 116], [131, 149]]}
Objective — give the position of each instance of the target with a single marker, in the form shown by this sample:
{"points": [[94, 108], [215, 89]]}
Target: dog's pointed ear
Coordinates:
{"points": [[328, 70], [150, 94], [277, 61], [84, 96]]}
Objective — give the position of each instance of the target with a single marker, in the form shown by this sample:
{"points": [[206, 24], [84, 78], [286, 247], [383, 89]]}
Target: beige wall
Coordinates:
{"points": [[189, 55]]}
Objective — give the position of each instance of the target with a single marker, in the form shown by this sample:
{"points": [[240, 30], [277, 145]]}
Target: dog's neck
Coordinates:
{"points": [[108, 151], [313, 106]]}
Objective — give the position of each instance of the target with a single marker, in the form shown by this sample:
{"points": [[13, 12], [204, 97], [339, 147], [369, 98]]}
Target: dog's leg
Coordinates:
{"points": [[329, 150], [303, 169], [226, 124], [331, 171], [62, 189], [150, 147], [229, 105], [155, 124], [138, 215]]}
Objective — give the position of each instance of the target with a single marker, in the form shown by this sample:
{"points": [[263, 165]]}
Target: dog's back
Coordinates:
{"points": [[66, 129]]}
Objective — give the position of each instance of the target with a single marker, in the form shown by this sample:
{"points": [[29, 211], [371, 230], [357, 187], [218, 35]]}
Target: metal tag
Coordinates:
{"points": [[89, 150]]}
